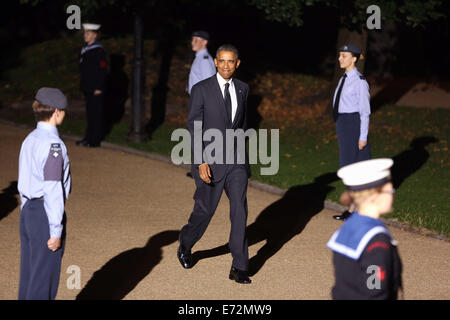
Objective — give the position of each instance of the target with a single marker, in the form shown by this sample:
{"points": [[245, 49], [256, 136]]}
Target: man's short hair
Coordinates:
{"points": [[42, 112], [228, 47]]}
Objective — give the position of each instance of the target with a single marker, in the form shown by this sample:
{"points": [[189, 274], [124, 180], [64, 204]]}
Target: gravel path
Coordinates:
{"points": [[123, 219]]}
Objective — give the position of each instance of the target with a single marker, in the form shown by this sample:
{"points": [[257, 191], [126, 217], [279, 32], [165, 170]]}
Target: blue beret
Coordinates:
{"points": [[51, 97], [201, 34], [350, 48]]}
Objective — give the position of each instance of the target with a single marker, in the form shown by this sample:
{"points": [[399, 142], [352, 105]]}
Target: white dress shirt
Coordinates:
{"points": [[232, 90]]}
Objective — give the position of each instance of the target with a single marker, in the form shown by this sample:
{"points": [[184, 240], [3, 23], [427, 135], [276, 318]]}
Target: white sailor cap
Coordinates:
{"points": [[91, 26], [366, 174]]}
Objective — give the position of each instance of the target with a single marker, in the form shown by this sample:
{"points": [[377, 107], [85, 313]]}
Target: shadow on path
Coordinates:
{"points": [[8, 200], [120, 275], [281, 221]]}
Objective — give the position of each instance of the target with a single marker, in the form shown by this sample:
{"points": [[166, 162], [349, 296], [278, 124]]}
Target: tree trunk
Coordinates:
{"points": [[137, 132]]}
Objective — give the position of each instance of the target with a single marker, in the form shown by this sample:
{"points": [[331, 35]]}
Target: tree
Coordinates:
{"points": [[353, 15]]}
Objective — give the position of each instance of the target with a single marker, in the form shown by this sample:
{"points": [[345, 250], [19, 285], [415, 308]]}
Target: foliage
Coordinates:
{"points": [[413, 13]]}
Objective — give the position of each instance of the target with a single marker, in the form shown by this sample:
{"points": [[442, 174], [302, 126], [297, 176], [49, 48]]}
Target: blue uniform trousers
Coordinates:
{"points": [[207, 197], [348, 131], [39, 267]]}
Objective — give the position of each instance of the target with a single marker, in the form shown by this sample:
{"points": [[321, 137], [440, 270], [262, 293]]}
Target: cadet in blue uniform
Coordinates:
{"points": [[44, 185], [92, 84], [351, 111], [203, 65], [366, 262]]}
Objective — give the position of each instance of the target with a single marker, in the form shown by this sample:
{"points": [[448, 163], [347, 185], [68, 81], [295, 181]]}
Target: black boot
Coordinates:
{"points": [[342, 217]]}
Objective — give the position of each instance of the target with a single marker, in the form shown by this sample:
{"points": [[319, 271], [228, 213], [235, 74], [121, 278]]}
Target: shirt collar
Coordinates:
{"points": [[352, 73], [222, 81], [48, 127], [356, 232], [203, 51]]}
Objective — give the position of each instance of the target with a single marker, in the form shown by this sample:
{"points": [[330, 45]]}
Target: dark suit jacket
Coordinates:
{"points": [[207, 104]]}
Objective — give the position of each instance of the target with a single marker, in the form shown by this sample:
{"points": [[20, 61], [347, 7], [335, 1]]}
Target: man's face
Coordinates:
{"points": [[198, 43], [89, 36], [226, 63]]}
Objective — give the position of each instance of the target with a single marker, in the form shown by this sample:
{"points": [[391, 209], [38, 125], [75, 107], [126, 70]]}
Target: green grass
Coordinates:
{"points": [[310, 150]]}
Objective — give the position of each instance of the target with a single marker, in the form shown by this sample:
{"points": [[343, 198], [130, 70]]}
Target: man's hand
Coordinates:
{"points": [[54, 244], [97, 92], [361, 144], [204, 172]]}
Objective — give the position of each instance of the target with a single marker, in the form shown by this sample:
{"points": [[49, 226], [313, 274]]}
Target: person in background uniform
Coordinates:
{"points": [[92, 84], [365, 257], [203, 66], [44, 185], [351, 111]]}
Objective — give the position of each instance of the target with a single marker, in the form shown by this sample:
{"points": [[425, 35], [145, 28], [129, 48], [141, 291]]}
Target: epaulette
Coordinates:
{"points": [[362, 77], [205, 57]]}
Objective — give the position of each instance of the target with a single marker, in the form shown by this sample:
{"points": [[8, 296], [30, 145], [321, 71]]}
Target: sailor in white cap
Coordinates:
{"points": [[365, 257], [92, 84]]}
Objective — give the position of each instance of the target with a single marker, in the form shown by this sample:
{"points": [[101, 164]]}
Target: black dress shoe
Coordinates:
{"points": [[185, 257], [342, 217], [239, 276]]}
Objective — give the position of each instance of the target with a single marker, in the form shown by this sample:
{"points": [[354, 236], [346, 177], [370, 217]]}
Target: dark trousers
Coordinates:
{"points": [[207, 198], [39, 267], [348, 131], [95, 118]]}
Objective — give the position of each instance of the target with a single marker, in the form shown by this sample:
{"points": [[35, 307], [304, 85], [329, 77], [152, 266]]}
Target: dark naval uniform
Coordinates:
{"points": [[366, 261], [93, 77]]}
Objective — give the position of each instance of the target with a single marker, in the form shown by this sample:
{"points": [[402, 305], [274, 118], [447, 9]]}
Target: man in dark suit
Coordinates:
{"points": [[220, 103]]}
